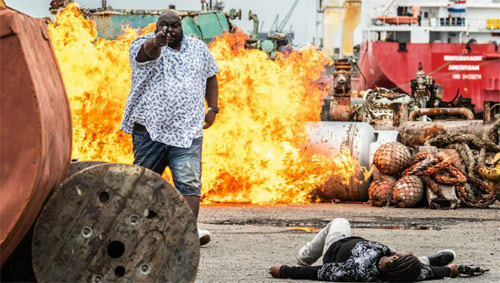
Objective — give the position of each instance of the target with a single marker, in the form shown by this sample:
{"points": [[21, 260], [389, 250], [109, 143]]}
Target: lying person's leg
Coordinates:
{"points": [[338, 229], [440, 258], [314, 249]]}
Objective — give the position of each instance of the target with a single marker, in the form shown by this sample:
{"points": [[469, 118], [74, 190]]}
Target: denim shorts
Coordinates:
{"points": [[185, 163]]}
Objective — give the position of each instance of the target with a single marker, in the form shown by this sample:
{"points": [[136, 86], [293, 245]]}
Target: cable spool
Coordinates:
{"points": [[392, 158], [408, 191], [380, 190], [115, 222]]}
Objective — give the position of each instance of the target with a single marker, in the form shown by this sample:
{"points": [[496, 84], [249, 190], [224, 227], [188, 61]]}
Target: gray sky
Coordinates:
{"points": [[302, 19]]}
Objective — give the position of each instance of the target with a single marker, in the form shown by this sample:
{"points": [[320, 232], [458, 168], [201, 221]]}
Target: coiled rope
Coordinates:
{"points": [[434, 170], [474, 192]]}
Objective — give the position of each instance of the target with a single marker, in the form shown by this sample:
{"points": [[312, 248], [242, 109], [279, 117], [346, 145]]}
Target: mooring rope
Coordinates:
{"points": [[470, 192], [435, 170]]}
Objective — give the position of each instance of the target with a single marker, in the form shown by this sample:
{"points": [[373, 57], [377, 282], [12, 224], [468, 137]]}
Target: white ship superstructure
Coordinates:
{"points": [[407, 21]]}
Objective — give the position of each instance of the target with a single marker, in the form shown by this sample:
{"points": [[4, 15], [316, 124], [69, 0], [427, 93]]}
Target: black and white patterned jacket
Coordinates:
{"points": [[362, 265]]}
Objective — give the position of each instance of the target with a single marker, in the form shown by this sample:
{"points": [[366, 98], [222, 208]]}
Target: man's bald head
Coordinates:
{"points": [[170, 14]]}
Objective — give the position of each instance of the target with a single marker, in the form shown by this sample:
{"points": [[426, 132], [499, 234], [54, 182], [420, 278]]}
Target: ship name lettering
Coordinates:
{"points": [[463, 67], [462, 58]]}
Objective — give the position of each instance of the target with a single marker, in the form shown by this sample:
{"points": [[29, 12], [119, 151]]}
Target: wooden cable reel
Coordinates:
{"points": [[116, 222]]}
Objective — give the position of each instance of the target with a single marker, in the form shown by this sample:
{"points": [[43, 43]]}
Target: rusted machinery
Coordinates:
{"points": [[35, 125], [337, 105], [388, 116]]}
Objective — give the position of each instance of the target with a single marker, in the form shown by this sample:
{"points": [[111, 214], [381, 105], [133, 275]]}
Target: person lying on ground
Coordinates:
{"points": [[348, 258]]}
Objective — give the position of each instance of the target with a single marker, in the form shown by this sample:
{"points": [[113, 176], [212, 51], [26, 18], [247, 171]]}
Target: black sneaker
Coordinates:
{"points": [[441, 258]]}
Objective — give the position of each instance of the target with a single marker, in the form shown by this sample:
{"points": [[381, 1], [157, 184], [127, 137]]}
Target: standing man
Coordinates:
{"points": [[172, 74]]}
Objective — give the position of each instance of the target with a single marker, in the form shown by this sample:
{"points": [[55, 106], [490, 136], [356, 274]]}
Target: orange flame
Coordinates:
{"points": [[253, 153]]}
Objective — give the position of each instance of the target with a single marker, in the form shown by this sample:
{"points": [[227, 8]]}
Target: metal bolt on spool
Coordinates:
{"points": [[145, 269], [86, 232], [134, 219], [97, 278]]}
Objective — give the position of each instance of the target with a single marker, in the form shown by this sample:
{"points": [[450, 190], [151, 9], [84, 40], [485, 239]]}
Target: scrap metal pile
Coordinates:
{"points": [[421, 147], [448, 166]]}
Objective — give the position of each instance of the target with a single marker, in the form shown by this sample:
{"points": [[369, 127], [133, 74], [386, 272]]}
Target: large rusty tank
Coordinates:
{"points": [[361, 140], [35, 125]]}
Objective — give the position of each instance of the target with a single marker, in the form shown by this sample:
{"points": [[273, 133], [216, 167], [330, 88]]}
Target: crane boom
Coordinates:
{"points": [[287, 17], [274, 25]]}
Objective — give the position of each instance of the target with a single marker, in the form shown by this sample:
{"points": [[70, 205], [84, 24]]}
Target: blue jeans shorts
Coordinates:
{"points": [[185, 163]]}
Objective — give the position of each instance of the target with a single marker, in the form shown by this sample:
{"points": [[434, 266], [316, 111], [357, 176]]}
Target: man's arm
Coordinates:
{"points": [[437, 272], [344, 271], [295, 272], [151, 49], [212, 96]]}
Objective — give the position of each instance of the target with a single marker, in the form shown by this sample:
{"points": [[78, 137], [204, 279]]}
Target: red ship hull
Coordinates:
{"points": [[476, 73]]}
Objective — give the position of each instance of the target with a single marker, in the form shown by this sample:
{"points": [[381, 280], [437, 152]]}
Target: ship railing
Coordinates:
{"points": [[481, 24], [471, 24]]}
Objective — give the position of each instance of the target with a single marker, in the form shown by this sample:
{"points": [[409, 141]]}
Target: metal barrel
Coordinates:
{"points": [[329, 138], [35, 125]]}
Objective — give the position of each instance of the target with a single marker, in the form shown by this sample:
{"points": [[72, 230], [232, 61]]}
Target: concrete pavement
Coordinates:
{"points": [[247, 239]]}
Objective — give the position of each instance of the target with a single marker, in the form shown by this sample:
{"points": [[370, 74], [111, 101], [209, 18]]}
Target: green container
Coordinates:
{"points": [[202, 25]]}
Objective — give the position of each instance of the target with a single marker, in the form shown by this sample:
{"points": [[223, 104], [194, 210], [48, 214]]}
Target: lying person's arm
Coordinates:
{"points": [[345, 271], [437, 272], [299, 272]]}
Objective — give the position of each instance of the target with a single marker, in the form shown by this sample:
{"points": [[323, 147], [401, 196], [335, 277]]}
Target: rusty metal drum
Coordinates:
{"points": [[115, 223], [328, 138], [35, 125]]}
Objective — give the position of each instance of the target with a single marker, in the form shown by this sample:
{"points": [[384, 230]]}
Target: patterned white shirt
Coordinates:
{"points": [[167, 94]]}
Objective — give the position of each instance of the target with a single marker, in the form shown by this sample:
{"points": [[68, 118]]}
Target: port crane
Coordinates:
{"points": [[279, 28]]}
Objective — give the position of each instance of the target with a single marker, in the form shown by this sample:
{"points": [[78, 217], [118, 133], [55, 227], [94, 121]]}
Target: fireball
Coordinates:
{"points": [[254, 151]]}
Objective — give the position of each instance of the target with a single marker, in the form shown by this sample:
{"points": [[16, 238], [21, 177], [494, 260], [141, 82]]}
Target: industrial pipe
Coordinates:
{"points": [[253, 17], [441, 111], [416, 133]]}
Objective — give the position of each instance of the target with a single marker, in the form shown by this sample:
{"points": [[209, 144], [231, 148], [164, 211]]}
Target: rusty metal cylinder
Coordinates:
{"points": [[416, 133], [329, 138], [464, 112], [35, 125]]}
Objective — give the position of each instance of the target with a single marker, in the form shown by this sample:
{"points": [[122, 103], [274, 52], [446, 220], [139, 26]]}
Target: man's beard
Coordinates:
{"points": [[176, 42]]}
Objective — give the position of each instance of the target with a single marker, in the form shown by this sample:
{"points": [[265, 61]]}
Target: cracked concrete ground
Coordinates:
{"points": [[247, 239]]}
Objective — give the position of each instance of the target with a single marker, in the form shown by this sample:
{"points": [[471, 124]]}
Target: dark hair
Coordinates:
{"points": [[404, 269]]}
